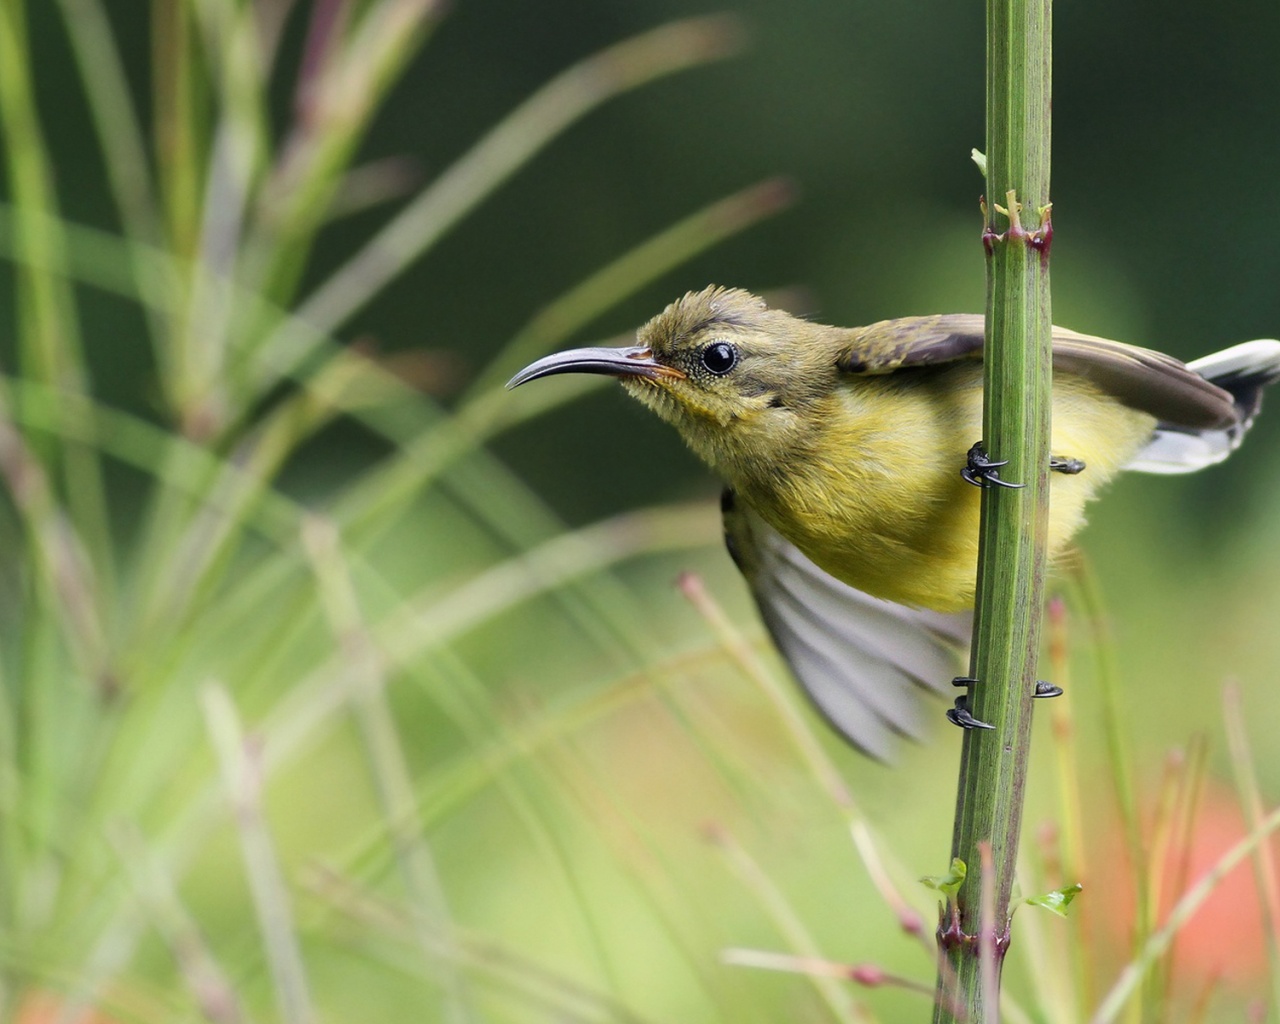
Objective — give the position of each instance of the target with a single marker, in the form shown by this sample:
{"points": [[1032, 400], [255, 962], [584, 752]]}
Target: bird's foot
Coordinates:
{"points": [[981, 470], [961, 715]]}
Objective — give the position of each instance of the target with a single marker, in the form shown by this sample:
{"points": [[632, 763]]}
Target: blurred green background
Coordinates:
{"points": [[567, 757]]}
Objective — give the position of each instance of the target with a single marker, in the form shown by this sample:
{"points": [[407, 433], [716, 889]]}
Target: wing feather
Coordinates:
{"points": [[865, 663], [1141, 378]]}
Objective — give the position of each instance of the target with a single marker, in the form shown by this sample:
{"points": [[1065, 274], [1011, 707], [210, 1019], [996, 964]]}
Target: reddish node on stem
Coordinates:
{"points": [[1042, 240], [951, 935], [989, 236], [1014, 212]]}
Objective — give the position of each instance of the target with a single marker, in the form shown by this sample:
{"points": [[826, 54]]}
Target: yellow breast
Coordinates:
{"points": [[874, 495]]}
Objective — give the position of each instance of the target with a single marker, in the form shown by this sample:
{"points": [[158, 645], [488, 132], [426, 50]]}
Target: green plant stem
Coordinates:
{"points": [[1016, 421]]}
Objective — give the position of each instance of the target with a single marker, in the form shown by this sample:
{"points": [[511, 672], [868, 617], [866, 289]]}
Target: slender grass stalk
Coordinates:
{"points": [[1162, 828], [48, 330], [388, 765], [1074, 862], [1016, 418], [1120, 771], [124, 151], [988, 964], [240, 758], [178, 104], [735, 645], [1264, 860], [523, 977], [1186, 824], [1199, 1012], [863, 974], [1037, 945], [836, 996], [639, 857], [119, 133], [1066, 756], [509, 757], [910, 920], [199, 383], [48, 333], [64, 574], [353, 56], [1158, 943], [204, 976]]}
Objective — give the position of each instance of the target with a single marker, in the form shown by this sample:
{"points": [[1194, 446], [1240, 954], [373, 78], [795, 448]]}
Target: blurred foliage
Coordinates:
{"points": [[471, 784]]}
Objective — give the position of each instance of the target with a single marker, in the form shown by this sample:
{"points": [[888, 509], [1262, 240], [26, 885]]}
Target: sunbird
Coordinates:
{"points": [[848, 455]]}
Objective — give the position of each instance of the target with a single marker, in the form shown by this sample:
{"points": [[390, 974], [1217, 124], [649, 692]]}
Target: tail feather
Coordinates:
{"points": [[1243, 371]]}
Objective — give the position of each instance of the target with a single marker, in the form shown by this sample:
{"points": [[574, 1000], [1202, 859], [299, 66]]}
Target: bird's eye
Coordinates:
{"points": [[719, 357]]}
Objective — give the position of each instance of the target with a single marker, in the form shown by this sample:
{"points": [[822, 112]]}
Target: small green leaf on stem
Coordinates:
{"points": [[979, 158], [1058, 900], [948, 884]]}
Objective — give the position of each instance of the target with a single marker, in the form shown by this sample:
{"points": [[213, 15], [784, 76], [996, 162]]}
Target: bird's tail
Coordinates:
{"points": [[1243, 371]]}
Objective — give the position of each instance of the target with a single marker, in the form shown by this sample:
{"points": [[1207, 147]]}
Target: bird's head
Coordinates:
{"points": [[732, 375]]}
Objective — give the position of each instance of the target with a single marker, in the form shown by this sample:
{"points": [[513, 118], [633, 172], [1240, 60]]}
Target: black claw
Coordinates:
{"points": [[1069, 466], [961, 715], [980, 469], [1044, 689], [964, 681]]}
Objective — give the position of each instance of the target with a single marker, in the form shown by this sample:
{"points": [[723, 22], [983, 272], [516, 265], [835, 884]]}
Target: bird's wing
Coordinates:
{"points": [[1169, 390], [864, 662]]}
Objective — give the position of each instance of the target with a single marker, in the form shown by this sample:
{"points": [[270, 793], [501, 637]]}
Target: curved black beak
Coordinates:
{"points": [[631, 361]]}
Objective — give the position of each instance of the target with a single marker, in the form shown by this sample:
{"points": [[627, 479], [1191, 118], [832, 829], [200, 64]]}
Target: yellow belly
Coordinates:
{"points": [[877, 500]]}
